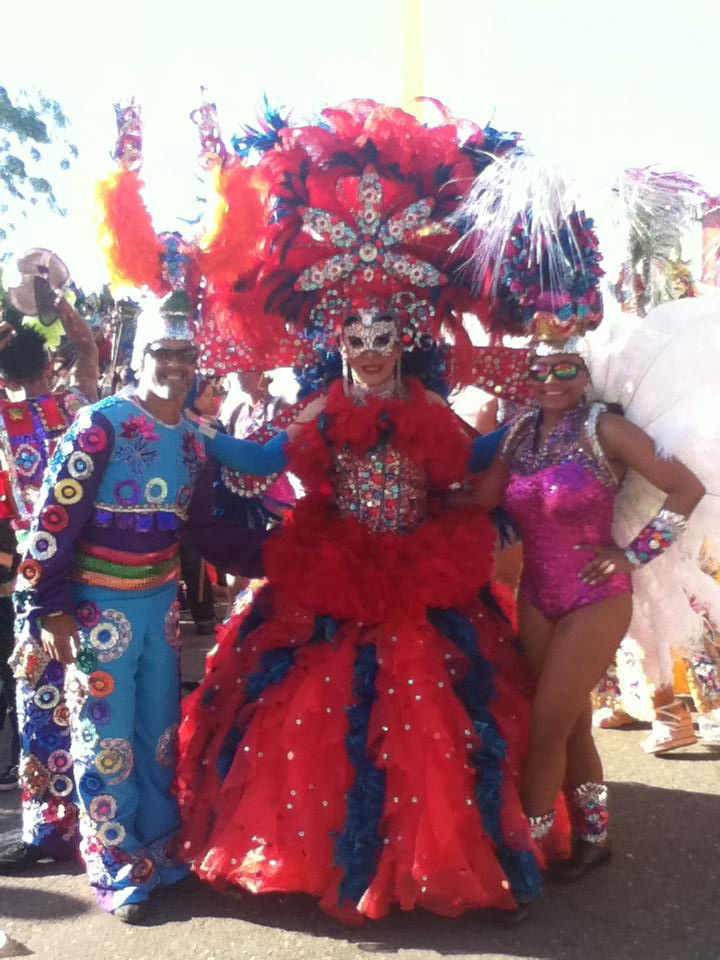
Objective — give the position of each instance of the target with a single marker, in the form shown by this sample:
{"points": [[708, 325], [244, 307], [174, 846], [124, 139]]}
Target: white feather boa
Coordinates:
{"points": [[665, 372]]}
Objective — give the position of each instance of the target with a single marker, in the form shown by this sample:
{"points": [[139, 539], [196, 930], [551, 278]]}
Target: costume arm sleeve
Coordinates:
{"points": [[229, 544], [65, 505], [485, 448], [245, 456]]}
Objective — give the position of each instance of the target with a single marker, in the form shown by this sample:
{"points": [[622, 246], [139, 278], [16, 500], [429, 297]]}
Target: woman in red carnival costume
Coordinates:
{"points": [[360, 730]]}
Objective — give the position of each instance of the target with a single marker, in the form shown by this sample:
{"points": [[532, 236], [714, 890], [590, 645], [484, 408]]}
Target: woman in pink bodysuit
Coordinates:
{"points": [[557, 476]]}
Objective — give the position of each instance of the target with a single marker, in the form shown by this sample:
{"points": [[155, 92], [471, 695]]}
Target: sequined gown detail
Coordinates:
{"points": [[359, 731], [382, 489], [561, 494]]}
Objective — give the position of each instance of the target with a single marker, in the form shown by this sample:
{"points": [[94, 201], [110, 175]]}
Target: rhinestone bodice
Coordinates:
{"points": [[382, 488]]}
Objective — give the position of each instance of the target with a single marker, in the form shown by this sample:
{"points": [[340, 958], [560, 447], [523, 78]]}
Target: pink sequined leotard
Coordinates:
{"points": [[559, 495]]}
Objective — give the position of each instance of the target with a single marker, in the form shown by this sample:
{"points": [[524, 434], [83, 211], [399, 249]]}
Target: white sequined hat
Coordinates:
{"points": [[167, 319]]}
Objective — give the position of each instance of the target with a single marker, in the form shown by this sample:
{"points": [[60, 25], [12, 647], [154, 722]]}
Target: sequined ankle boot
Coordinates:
{"points": [[541, 825], [591, 846]]}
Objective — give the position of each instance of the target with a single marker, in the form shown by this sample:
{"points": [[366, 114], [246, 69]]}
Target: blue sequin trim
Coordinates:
{"points": [[274, 667], [358, 846], [475, 691]]}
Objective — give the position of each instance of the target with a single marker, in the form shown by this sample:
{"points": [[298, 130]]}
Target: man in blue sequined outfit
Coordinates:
{"points": [[126, 481]]}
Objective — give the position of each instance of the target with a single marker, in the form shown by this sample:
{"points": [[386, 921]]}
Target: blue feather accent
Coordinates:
{"points": [[358, 846], [507, 532], [274, 667], [264, 138], [475, 690]]}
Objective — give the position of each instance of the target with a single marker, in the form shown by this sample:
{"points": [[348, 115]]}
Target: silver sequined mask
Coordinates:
{"points": [[367, 333]]}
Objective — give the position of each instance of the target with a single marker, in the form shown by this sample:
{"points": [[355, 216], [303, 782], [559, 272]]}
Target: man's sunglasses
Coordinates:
{"points": [[562, 370], [164, 354]]}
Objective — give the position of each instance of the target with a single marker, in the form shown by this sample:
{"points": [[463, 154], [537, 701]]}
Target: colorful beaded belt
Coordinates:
{"points": [[104, 567]]}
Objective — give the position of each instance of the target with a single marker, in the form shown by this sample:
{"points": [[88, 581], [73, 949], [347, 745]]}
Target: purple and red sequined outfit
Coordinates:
{"points": [[32, 430], [559, 495]]}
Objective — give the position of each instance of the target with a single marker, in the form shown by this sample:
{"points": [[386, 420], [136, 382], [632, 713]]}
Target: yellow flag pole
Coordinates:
{"points": [[413, 81]]}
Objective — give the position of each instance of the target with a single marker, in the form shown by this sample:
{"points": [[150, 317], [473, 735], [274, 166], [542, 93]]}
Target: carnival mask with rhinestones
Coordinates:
{"points": [[369, 329]]}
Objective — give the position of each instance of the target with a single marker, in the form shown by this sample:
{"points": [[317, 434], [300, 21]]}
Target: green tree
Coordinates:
{"points": [[33, 142]]}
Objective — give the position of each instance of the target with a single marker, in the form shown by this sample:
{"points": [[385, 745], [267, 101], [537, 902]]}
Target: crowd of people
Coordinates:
{"points": [[382, 720]]}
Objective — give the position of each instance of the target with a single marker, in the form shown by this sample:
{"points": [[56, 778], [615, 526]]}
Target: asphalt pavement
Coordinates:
{"points": [[658, 899]]}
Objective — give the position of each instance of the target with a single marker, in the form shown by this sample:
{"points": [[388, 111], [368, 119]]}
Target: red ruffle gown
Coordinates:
{"points": [[359, 730]]}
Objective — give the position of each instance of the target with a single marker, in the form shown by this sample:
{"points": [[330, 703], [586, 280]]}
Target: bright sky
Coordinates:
{"points": [[596, 86]]}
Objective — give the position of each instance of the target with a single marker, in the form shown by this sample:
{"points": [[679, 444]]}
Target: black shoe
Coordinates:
{"points": [[9, 779], [131, 912], [511, 918], [586, 857], [19, 856]]}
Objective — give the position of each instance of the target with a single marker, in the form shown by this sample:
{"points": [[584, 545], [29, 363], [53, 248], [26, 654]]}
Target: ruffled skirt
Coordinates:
{"points": [[365, 763]]}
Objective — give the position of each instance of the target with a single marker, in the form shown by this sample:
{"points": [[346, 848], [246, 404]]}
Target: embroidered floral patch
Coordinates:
{"points": [[136, 447]]}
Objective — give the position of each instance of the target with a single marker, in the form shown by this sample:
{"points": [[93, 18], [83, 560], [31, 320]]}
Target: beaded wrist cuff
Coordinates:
{"points": [[654, 538]]}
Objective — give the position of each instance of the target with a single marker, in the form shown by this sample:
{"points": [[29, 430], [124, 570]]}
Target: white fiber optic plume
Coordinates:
{"points": [[656, 208], [516, 188]]}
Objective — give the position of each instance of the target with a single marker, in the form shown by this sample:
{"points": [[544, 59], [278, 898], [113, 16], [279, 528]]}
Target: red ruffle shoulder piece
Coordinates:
{"points": [[324, 562], [423, 429]]}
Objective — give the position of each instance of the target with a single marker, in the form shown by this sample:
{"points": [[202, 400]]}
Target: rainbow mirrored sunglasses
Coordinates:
{"points": [[562, 370]]}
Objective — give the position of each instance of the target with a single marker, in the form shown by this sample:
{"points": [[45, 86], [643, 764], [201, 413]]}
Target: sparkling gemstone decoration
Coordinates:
{"points": [[127, 492], [31, 571], [59, 761], [367, 245], [47, 697], [87, 614], [111, 637], [43, 546], [100, 684], [92, 440], [54, 518], [61, 785], [103, 808], [114, 760], [27, 459], [80, 465], [68, 492], [111, 834], [589, 811], [156, 490], [382, 489]]}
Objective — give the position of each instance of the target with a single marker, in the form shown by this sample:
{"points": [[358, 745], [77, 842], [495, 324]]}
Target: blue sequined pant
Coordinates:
{"points": [[123, 701]]}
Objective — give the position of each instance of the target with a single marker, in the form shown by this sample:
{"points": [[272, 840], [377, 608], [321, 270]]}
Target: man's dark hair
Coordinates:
{"points": [[25, 357]]}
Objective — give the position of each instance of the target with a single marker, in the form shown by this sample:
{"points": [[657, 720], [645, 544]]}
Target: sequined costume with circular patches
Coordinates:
{"points": [[359, 731], [98, 763], [560, 494], [32, 429]]}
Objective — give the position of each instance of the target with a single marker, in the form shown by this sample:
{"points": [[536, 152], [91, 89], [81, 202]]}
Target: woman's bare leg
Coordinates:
{"points": [[583, 763], [577, 654], [535, 632]]}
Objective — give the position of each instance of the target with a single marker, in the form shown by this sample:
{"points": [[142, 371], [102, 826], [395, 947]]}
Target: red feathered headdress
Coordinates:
{"points": [[357, 209], [162, 263]]}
